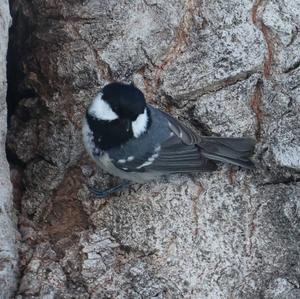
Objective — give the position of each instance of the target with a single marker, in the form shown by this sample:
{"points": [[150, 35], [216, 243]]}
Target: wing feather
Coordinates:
{"points": [[181, 158], [186, 135], [178, 153]]}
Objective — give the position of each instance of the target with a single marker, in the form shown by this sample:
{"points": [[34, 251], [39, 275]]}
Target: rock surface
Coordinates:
{"points": [[225, 67], [8, 251]]}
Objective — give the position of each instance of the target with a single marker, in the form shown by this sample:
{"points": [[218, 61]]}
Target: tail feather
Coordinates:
{"points": [[231, 150]]}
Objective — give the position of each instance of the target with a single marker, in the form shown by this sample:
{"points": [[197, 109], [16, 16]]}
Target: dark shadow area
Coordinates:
{"points": [[19, 34]]}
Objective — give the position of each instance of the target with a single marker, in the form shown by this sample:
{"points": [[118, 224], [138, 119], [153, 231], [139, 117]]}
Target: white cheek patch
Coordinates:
{"points": [[139, 126], [101, 109]]}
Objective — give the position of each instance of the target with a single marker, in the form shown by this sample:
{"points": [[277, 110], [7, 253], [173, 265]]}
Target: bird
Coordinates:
{"points": [[137, 142]]}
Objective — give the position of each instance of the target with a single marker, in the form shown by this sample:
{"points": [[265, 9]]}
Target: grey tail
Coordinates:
{"points": [[231, 150]]}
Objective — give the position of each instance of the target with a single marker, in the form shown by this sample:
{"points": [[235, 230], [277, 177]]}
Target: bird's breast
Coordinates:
{"points": [[109, 134]]}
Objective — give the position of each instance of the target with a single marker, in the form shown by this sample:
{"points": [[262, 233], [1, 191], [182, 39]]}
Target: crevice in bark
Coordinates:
{"points": [[255, 106], [181, 39], [18, 34], [219, 85], [284, 181], [292, 67], [294, 35], [20, 91], [16, 91], [267, 37], [177, 47], [204, 129]]}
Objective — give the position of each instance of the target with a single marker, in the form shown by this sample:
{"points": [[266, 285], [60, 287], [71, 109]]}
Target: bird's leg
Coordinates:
{"points": [[103, 193]]}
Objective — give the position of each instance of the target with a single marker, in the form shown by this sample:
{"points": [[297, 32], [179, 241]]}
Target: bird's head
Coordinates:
{"points": [[117, 114], [119, 101]]}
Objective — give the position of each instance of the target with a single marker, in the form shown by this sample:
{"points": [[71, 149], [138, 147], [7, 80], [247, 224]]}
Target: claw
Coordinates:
{"points": [[106, 192]]}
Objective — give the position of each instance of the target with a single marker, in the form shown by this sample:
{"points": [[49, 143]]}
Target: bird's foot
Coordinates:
{"points": [[106, 192]]}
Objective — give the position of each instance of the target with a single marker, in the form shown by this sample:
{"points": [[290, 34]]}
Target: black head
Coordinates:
{"points": [[118, 114], [125, 100]]}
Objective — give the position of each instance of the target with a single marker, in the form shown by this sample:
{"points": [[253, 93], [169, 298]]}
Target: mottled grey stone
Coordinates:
{"points": [[226, 48], [282, 18], [219, 66], [215, 110], [8, 250]]}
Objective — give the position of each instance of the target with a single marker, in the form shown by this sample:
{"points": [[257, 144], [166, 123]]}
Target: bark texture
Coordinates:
{"points": [[224, 67], [8, 255]]}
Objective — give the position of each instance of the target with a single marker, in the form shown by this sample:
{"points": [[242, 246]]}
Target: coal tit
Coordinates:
{"points": [[132, 140]]}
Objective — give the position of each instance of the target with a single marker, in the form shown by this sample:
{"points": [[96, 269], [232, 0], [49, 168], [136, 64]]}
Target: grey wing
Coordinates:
{"points": [[186, 135], [176, 156], [178, 153]]}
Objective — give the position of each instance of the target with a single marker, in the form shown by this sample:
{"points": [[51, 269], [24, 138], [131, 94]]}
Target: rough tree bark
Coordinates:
{"points": [[227, 67], [8, 253]]}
